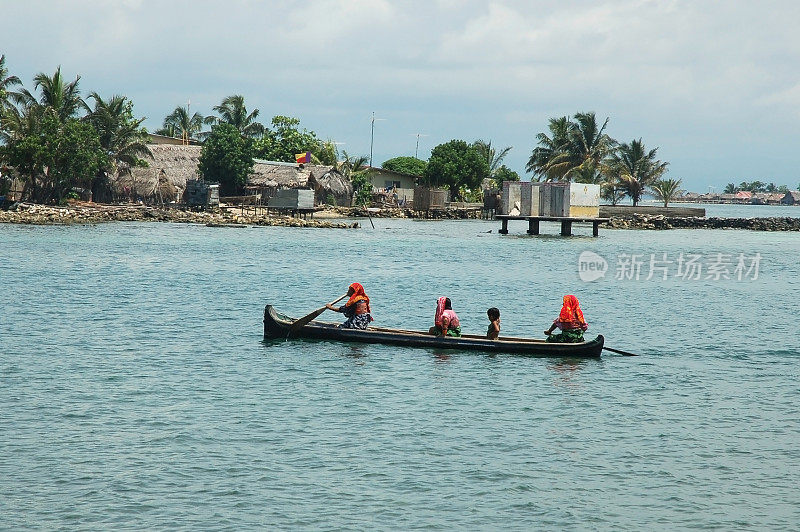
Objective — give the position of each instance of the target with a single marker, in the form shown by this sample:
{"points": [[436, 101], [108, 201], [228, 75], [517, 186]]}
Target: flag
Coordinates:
{"points": [[303, 157]]}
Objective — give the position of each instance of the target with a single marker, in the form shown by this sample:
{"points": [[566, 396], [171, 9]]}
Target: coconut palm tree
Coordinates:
{"points": [[635, 168], [56, 95], [549, 160], [179, 121], [730, 188], [574, 151], [120, 134], [233, 111], [356, 169], [666, 190], [493, 157], [6, 82]]}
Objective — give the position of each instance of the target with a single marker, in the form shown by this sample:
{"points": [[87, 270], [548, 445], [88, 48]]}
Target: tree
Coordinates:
{"points": [[285, 139], [326, 153], [549, 160], [504, 173], [6, 82], [576, 150], [227, 158], [612, 192], [456, 165], [730, 188], [636, 168], [405, 165], [354, 168], [666, 190], [58, 157], [56, 95], [179, 121], [120, 134], [233, 111]]}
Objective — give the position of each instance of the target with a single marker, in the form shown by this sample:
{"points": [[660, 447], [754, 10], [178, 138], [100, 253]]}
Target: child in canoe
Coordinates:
{"points": [[570, 321], [493, 332]]}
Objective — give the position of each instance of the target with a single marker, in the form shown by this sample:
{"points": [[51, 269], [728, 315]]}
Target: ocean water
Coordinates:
{"points": [[137, 392]]}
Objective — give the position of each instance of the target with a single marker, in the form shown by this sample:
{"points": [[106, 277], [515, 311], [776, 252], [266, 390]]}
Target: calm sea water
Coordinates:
{"points": [[136, 391]]}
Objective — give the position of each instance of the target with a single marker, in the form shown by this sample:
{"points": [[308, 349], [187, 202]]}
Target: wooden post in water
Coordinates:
{"points": [[533, 226], [566, 228], [504, 227]]}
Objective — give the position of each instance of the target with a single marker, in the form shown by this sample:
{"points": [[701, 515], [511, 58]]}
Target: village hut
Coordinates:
{"points": [[328, 184], [162, 181]]}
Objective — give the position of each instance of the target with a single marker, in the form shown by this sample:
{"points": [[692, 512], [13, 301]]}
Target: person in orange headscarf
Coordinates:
{"points": [[446, 322], [570, 321], [356, 310]]}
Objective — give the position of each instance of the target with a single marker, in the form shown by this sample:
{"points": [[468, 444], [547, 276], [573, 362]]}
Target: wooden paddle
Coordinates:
{"points": [[627, 354], [302, 322]]}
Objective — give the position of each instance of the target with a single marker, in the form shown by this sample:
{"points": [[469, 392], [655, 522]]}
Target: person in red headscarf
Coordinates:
{"points": [[570, 321], [356, 310], [446, 322]]}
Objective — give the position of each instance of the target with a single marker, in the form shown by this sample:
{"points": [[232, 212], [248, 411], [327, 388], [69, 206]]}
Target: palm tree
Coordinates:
{"points": [[57, 96], [730, 188], [549, 158], [493, 158], [120, 134], [233, 111], [576, 151], [6, 82], [636, 168], [179, 121], [356, 169], [666, 190]]}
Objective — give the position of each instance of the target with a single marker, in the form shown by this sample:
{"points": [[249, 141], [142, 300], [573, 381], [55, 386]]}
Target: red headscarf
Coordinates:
{"points": [[437, 318], [571, 315], [358, 295]]}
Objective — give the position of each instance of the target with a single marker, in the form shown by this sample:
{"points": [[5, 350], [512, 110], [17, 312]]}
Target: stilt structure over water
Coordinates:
{"points": [[566, 223]]}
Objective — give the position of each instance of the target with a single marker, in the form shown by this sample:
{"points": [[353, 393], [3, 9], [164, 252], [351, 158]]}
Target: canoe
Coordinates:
{"points": [[278, 326]]}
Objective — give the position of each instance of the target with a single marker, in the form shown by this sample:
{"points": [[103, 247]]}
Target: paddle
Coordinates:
{"points": [[627, 354], [302, 322]]}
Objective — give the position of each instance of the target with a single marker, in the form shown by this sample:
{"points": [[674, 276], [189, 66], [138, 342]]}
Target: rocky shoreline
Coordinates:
{"points": [[34, 214], [89, 213], [659, 222]]}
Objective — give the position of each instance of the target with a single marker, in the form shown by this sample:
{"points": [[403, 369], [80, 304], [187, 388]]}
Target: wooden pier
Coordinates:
{"points": [[566, 223]]}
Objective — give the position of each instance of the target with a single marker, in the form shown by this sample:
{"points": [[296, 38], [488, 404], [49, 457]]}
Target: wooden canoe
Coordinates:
{"points": [[278, 326]]}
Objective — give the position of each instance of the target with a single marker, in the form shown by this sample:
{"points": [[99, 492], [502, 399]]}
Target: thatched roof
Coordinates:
{"points": [[285, 175], [169, 169]]}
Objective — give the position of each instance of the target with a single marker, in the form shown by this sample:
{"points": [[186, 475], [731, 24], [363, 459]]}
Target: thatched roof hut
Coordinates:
{"points": [[326, 181], [162, 181]]}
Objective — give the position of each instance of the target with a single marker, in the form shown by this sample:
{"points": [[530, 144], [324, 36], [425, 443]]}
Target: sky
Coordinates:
{"points": [[714, 85]]}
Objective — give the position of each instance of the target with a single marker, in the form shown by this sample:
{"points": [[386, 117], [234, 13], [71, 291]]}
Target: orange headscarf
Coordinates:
{"points": [[571, 314], [358, 295]]}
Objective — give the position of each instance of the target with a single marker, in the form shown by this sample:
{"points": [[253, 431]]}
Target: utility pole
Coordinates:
{"points": [[416, 150], [372, 136]]}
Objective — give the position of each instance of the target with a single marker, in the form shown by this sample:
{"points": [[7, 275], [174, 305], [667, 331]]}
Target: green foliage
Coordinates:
{"points": [[58, 157], [233, 111], [325, 153], [504, 173], [227, 158], [635, 168], [406, 165], [456, 165], [730, 188], [574, 149], [666, 190], [612, 192], [121, 135], [354, 168], [179, 124], [284, 140]]}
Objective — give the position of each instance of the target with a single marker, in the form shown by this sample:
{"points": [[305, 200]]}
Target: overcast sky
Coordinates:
{"points": [[715, 85]]}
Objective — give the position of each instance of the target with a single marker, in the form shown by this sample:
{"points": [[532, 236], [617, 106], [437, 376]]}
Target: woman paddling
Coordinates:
{"points": [[446, 320], [570, 321], [356, 309]]}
